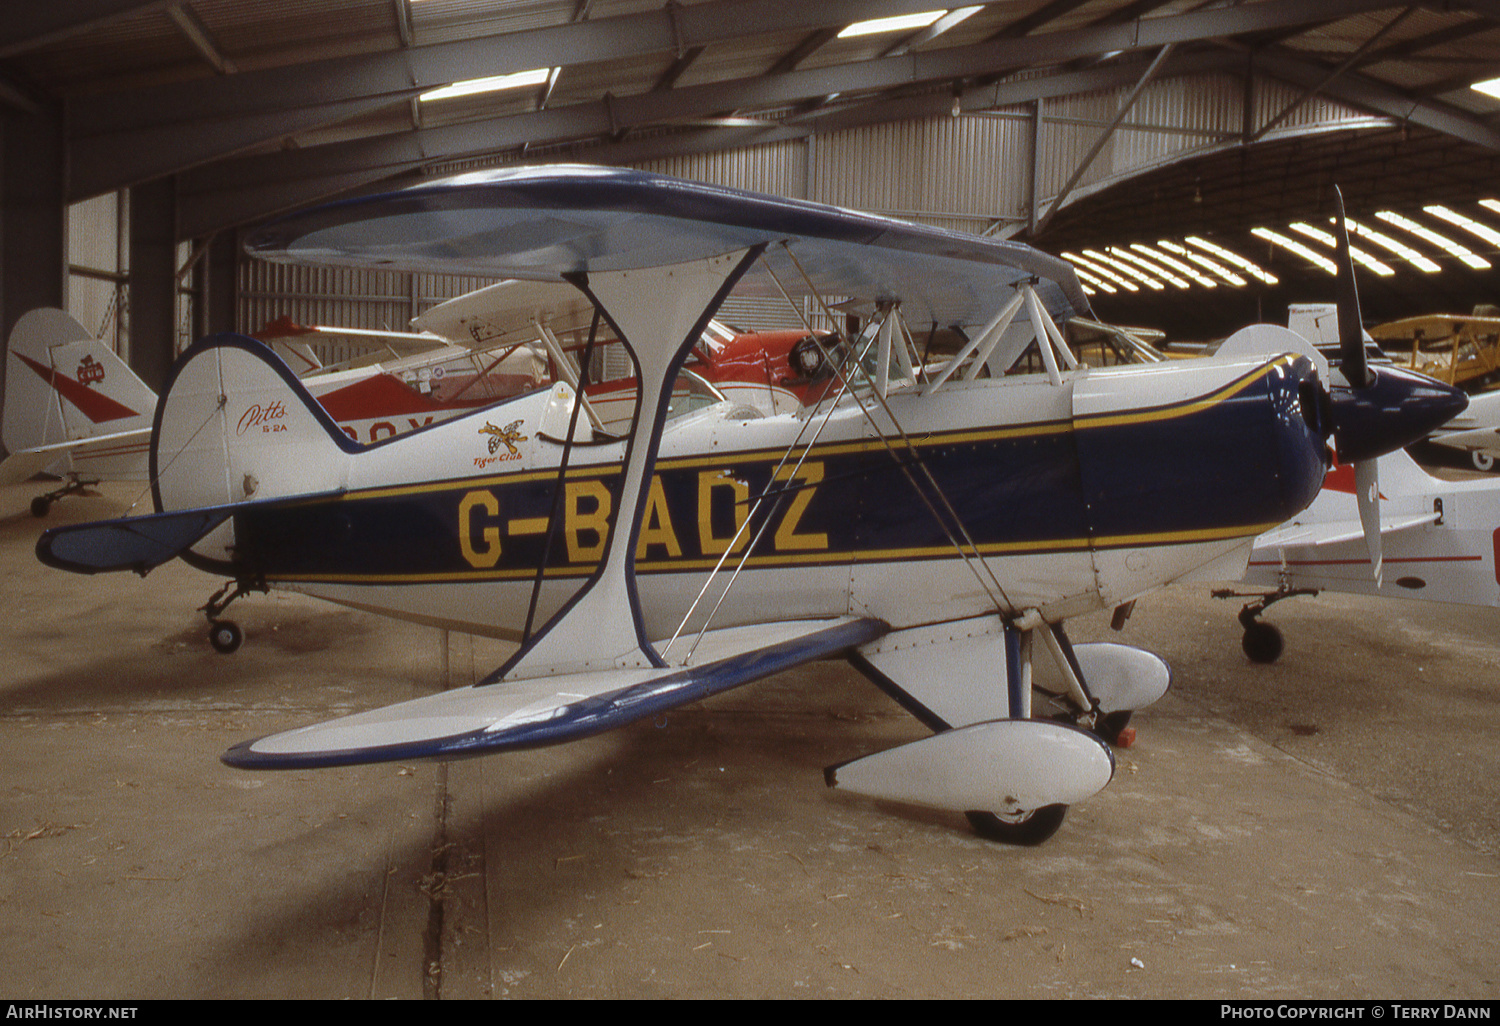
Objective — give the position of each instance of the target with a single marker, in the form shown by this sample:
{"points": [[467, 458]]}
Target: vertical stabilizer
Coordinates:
{"points": [[234, 424], [62, 384]]}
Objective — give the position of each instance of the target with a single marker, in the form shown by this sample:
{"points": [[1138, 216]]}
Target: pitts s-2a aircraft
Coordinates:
{"points": [[933, 523]]}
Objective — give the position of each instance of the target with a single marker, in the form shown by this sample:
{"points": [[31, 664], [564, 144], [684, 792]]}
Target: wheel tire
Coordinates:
{"points": [[1110, 725], [40, 505], [1262, 642], [225, 636], [1482, 461], [1030, 829]]}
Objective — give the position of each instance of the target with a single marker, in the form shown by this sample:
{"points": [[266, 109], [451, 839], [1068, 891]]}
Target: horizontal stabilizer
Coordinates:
{"points": [[1000, 766], [497, 716], [132, 543], [141, 543], [23, 466], [1335, 532]]}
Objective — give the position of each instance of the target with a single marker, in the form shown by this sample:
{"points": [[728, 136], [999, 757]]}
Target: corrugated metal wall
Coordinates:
{"points": [[97, 259]]}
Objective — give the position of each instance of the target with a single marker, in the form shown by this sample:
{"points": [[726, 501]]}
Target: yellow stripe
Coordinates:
{"points": [[787, 561]]}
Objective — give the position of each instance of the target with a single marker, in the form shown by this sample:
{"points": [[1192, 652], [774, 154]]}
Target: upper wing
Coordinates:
{"points": [[506, 312], [546, 222], [496, 716]]}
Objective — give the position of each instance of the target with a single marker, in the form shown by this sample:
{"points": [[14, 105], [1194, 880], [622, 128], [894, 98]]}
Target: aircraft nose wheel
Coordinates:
{"points": [[1027, 828], [225, 636], [1262, 642]]}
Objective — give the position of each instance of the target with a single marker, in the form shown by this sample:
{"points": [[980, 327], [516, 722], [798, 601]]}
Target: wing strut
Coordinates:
{"points": [[659, 313], [962, 542]]}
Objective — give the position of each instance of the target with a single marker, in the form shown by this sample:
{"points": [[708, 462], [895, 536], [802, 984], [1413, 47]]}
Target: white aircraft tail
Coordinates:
{"points": [[235, 424], [62, 385]]}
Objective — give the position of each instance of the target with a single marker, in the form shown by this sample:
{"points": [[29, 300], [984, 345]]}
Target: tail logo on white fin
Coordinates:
{"points": [[263, 417], [96, 406], [90, 370]]}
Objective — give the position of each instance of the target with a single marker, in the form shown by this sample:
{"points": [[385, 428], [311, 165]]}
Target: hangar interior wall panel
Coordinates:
{"points": [[98, 259]]}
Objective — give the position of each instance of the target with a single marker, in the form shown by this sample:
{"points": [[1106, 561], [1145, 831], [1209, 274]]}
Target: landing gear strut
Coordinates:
{"points": [[1262, 642], [225, 635], [43, 503]]}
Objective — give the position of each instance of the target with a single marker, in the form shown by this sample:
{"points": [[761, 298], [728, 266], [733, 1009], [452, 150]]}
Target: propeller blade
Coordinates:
{"points": [[1367, 489], [1351, 326]]}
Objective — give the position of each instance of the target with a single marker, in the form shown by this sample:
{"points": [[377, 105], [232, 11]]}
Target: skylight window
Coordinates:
{"points": [[1402, 250], [1156, 270], [1277, 239], [898, 23], [1444, 243], [1358, 255], [1224, 273], [495, 83], [1468, 224], [1123, 268], [1176, 265], [1102, 272], [1250, 267]]}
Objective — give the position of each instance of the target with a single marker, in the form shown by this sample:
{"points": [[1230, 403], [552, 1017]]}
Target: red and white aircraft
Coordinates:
{"points": [[933, 524], [75, 409]]}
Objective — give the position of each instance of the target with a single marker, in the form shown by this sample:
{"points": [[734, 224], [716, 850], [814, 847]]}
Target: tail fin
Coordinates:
{"points": [[62, 384], [236, 424]]}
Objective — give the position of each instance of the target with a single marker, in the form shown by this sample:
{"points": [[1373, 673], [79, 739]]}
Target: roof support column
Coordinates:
{"points": [[33, 216], [153, 279], [216, 286]]}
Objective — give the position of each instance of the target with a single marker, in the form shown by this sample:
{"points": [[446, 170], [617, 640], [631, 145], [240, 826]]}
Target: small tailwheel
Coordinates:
{"points": [[225, 636], [1027, 828], [40, 506], [1262, 642]]}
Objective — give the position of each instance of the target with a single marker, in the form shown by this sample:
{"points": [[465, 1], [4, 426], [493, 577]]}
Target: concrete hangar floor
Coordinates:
{"points": [[1326, 827]]}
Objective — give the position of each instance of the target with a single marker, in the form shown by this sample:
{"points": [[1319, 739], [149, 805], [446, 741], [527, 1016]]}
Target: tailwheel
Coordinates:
{"points": [[225, 636], [1025, 829], [1262, 642], [40, 506]]}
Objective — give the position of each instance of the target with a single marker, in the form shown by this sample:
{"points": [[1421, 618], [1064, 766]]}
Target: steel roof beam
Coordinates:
{"points": [[1368, 94], [242, 190], [28, 26], [148, 133]]}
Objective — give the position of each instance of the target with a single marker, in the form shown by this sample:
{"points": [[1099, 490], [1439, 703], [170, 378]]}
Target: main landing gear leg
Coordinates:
{"points": [[1262, 642], [225, 635], [1032, 826], [43, 503]]}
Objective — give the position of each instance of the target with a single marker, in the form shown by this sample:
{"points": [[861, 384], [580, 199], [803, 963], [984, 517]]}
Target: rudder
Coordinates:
{"points": [[62, 384], [234, 423]]}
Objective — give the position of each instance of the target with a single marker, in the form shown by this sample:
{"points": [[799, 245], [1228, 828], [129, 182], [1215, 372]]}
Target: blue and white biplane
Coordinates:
{"points": [[934, 521]]}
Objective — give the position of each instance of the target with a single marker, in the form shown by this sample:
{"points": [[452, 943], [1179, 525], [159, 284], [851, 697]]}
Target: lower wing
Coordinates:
{"points": [[495, 715]]}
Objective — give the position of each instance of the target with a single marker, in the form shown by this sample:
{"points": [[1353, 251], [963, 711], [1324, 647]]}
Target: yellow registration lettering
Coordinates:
{"points": [[710, 481], [787, 538], [577, 523], [656, 525], [487, 553]]}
